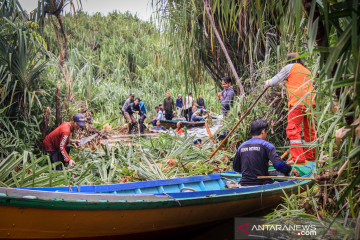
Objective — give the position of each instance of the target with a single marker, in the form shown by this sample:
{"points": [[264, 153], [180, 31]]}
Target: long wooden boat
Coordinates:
{"points": [[172, 124], [134, 208]]}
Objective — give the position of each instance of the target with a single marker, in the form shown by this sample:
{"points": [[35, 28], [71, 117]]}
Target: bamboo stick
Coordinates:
{"points": [[237, 124], [341, 170], [285, 154], [286, 177], [208, 131]]}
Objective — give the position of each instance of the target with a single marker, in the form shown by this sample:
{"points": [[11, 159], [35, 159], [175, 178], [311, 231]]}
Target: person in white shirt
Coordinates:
{"points": [[189, 103]]}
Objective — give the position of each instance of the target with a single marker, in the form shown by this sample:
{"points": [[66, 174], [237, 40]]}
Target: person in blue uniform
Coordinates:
{"points": [[142, 116], [252, 157]]}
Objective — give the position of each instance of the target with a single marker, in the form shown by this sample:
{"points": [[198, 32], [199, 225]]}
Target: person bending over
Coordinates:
{"points": [[55, 144], [302, 93], [252, 157], [197, 116], [131, 109]]}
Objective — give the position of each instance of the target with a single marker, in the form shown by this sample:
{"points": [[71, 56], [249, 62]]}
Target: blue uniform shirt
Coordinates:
{"points": [[252, 160]]}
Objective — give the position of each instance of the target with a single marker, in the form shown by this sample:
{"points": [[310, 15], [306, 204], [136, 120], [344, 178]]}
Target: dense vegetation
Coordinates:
{"points": [[108, 57], [257, 35]]}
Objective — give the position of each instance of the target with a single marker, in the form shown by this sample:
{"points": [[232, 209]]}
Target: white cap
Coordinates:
{"points": [[179, 95]]}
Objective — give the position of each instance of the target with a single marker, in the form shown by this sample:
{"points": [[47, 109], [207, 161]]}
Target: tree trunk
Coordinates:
{"points": [[63, 51], [46, 122], [64, 36], [58, 38], [58, 105], [238, 82]]}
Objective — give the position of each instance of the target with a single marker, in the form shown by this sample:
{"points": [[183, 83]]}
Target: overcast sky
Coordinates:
{"points": [[140, 7]]}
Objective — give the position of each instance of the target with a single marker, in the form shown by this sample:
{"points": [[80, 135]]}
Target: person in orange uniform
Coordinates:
{"points": [[56, 142], [179, 129], [301, 96]]}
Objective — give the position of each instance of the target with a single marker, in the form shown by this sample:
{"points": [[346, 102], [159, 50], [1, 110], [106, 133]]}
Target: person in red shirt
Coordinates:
{"points": [[56, 142], [179, 129]]}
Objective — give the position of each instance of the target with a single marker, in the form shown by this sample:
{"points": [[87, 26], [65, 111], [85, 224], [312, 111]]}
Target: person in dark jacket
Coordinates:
{"points": [[168, 107], [131, 109], [127, 103], [252, 157], [179, 105], [200, 102], [226, 97]]}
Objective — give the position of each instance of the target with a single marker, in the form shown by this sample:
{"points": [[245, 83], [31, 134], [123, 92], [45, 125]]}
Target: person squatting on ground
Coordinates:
{"points": [[226, 97], [299, 85], [252, 157], [55, 144], [198, 116], [131, 109], [179, 106], [157, 117], [168, 107], [189, 103]]}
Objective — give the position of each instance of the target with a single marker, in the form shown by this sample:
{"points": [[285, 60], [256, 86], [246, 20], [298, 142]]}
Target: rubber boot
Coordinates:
{"points": [[131, 125]]}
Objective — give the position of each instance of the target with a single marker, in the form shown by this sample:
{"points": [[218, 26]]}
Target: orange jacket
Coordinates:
{"points": [[179, 131], [298, 83]]}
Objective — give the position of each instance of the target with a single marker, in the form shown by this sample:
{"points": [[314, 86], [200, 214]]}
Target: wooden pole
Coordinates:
{"points": [[286, 177], [237, 124], [208, 131], [285, 154], [341, 170]]}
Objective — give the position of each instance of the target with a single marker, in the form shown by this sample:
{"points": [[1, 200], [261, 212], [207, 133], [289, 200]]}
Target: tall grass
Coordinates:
{"points": [[111, 56], [326, 35]]}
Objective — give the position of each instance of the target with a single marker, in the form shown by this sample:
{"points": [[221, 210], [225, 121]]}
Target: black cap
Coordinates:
{"points": [[132, 94], [79, 119]]}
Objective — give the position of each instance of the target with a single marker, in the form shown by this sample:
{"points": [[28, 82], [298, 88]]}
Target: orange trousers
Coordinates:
{"points": [[293, 131]]}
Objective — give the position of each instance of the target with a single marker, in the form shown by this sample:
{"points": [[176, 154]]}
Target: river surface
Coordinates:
{"points": [[200, 132]]}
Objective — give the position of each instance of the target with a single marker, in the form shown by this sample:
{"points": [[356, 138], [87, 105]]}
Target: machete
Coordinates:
{"points": [[87, 139]]}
